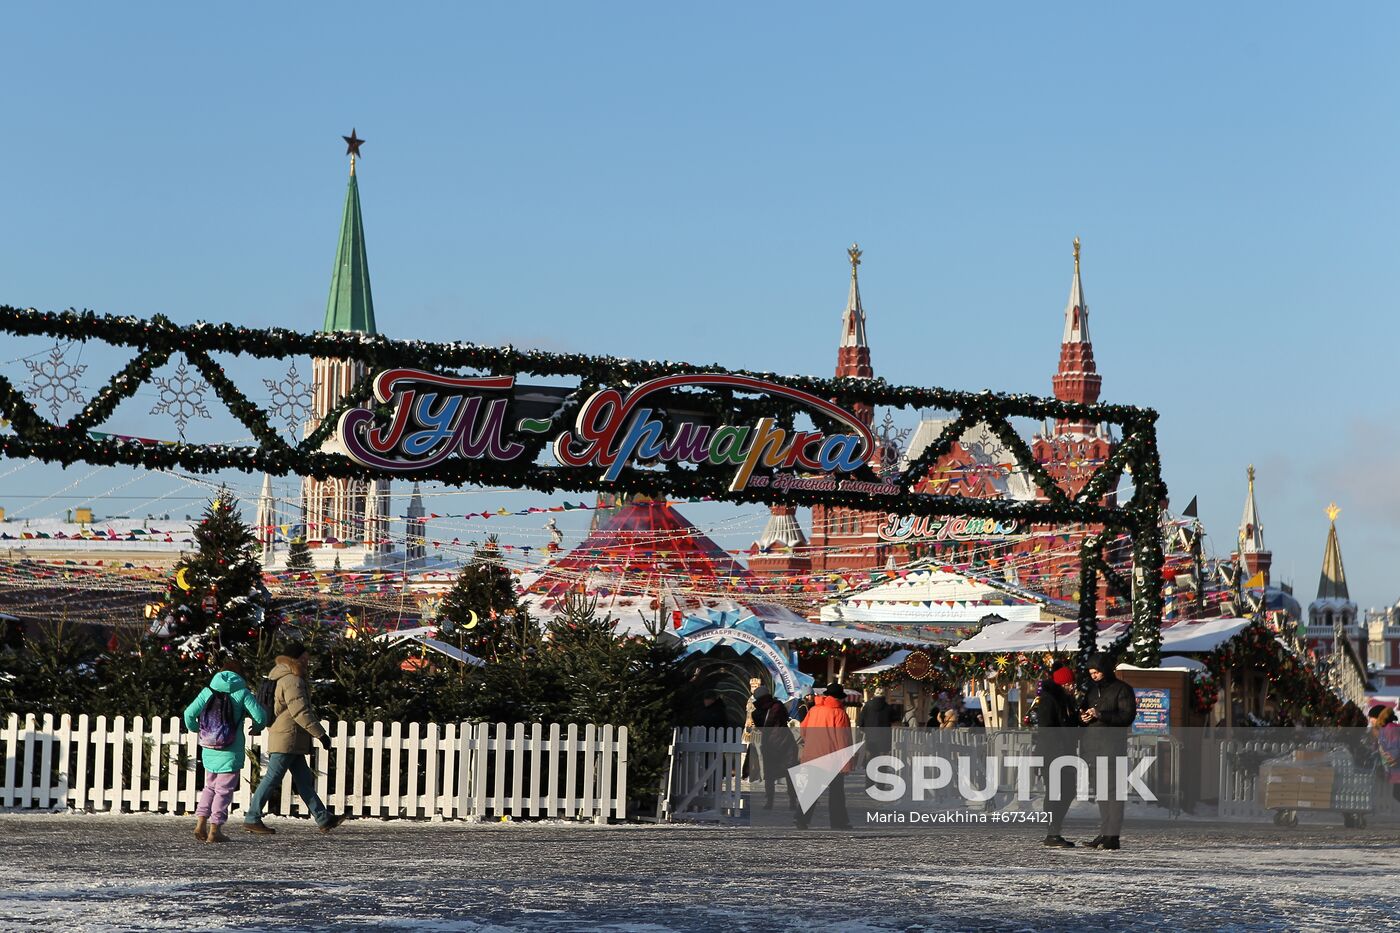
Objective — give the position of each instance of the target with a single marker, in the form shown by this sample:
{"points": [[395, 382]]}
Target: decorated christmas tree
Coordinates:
{"points": [[480, 613], [216, 600]]}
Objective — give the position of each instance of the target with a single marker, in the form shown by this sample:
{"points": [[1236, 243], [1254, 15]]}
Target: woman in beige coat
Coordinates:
{"points": [[289, 737]]}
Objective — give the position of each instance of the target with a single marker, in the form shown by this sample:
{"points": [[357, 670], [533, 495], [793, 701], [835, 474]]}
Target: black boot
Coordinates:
{"points": [[1058, 842], [1097, 842], [1111, 843]]}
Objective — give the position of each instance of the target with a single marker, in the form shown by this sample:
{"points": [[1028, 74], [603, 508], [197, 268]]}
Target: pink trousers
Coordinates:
{"points": [[216, 796]]}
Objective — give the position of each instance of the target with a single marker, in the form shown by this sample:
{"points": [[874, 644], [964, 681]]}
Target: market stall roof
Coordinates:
{"points": [[1174, 663], [423, 635], [1189, 636], [790, 630], [889, 663]]}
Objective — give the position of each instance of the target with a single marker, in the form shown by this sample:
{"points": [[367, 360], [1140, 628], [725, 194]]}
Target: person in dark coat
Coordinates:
{"points": [[711, 713], [1057, 727], [874, 721], [777, 746], [1109, 710]]}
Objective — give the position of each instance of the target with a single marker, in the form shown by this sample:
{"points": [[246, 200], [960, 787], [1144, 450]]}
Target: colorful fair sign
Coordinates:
{"points": [[437, 417], [899, 529]]}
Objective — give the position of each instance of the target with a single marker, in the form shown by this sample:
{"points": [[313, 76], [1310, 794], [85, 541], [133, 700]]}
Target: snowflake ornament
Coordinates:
{"points": [[291, 398], [890, 441], [181, 397], [53, 381]]}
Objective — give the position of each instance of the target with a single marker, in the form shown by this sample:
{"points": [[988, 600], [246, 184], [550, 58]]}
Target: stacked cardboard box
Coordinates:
{"points": [[1296, 785]]}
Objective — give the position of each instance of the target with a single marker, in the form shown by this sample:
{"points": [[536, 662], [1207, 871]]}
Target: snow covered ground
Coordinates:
{"points": [[77, 872]]}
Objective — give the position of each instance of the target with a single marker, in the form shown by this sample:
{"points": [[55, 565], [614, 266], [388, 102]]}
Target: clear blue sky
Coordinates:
{"points": [[659, 181]]}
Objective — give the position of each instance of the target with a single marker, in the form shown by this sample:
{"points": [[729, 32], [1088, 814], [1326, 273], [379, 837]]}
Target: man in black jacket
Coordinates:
{"points": [[1057, 735], [1109, 710], [874, 722]]}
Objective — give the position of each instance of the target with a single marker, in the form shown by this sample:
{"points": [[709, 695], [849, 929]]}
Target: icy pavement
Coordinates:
{"points": [[144, 872]]}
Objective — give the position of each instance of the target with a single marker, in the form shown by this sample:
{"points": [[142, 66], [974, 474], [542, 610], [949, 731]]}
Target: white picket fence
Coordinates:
{"points": [[703, 779], [466, 771]]}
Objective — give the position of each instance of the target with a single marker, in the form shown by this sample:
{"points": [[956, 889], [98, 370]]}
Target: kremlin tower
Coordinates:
{"points": [[341, 512], [1254, 557], [843, 537], [1074, 449]]}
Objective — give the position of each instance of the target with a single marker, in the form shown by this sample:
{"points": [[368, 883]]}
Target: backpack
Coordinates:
{"points": [[217, 723], [267, 696]]}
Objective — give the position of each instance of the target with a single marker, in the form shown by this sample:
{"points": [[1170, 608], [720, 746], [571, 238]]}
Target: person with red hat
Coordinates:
{"points": [[1057, 721]]}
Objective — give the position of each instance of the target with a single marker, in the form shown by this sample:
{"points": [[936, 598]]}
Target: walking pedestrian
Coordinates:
{"points": [[1109, 710], [217, 714], [294, 725], [825, 730], [874, 721], [1387, 734], [1056, 735], [777, 747]]}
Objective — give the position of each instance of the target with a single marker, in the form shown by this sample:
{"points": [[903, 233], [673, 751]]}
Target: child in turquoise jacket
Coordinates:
{"points": [[222, 766]]}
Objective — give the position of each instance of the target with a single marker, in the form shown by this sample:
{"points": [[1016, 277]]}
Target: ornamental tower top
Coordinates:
{"points": [[1077, 379], [853, 356], [1257, 558]]}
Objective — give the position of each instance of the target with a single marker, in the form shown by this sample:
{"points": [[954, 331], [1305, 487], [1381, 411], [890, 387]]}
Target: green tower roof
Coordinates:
{"points": [[351, 306]]}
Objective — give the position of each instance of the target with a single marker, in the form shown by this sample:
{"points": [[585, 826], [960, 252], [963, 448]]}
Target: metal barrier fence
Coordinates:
{"points": [[1242, 794]]}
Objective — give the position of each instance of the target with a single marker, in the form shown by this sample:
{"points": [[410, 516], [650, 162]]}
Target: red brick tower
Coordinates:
{"points": [[845, 538], [1077, 379], [1256, 557], [1075, 448]]}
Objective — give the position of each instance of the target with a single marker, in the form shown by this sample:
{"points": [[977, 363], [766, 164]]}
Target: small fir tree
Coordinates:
{"points": [[482, 614], [299, 555], [50, 670], [336, 586], [627, 680], [216, 598]]}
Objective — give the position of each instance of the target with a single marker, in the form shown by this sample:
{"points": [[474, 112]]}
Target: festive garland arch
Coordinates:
{"points": [[158, 339]]}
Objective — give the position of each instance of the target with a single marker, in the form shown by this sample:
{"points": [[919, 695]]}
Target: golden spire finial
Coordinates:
{"points": [[1333, 512], [855, 253], [1076, 254], [1251, 474]]}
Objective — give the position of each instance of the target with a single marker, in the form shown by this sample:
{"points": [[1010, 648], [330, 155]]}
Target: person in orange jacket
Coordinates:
{"points": [[827, 729]]}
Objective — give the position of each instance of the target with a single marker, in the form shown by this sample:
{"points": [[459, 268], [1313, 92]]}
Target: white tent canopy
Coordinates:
{"points": [[1192, 636], [929, 595]]}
